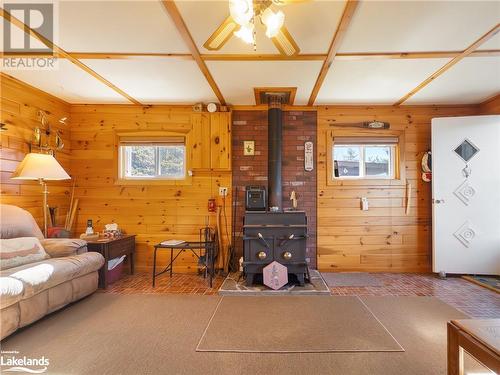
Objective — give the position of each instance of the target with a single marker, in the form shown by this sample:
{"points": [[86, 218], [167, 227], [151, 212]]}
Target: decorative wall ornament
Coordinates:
{"points": [[248, 148], [465, 192], [42, 134], [465, 234], [308, 156]]}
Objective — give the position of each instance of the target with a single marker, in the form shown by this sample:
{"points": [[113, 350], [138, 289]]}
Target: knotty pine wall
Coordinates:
{"points": [[153, 211], [384, 238], [20, 104]]}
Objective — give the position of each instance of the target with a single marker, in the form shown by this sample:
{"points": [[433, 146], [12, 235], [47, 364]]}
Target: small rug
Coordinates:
{"points": [[234, 285], [295, 324], [355, 279], [490, 282]]}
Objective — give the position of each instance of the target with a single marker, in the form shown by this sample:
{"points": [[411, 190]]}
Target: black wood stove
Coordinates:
{"points": [[275, 235]]}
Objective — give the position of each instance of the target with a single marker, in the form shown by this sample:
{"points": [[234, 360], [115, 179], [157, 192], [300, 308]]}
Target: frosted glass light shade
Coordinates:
{"points": [[40, 166]]}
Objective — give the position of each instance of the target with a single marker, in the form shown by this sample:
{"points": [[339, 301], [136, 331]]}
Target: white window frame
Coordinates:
{"points": [[362, 165], [123, 160]]}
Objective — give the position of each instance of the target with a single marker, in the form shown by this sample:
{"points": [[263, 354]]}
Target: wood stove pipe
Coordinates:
{"points": [[275, 136]]}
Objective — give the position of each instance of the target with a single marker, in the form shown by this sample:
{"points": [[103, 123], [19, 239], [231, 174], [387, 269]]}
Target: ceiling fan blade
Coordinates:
{"points": [[221, 35], [285, 43]]}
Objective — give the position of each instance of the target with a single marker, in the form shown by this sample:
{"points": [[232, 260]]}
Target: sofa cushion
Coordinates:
{"points": [[16, 222], [63, 247], [11, 291], [15, 252], [40, 276]]}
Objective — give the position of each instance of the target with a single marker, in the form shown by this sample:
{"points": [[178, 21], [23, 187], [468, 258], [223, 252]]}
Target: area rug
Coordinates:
{"points": [[354, 279], [489, 282], [234, 284], [158, 334], [289, 324]]}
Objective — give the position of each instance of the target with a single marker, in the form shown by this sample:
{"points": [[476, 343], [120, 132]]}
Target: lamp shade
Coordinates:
{"points": [[40, 166]]}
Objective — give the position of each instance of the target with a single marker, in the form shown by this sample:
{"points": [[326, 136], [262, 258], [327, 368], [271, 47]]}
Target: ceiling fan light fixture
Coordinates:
{"points": [[241, 11], [245, 33], [273, 22]]}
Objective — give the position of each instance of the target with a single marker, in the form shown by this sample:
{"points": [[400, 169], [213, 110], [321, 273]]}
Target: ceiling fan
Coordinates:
{"points": [[242, 21]]}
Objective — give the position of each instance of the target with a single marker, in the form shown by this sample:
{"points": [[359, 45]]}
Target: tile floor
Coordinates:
{"points": [[476, 301]]}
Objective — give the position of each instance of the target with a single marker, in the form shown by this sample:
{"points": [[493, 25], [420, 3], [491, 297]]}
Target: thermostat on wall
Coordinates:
{"points": [[211, 107]]}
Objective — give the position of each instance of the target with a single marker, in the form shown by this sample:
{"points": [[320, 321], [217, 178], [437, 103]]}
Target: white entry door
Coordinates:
{"points": [[466, 194]]}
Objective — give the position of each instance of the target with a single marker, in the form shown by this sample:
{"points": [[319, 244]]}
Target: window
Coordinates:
{"points": [[366, 158], [163, 158]]}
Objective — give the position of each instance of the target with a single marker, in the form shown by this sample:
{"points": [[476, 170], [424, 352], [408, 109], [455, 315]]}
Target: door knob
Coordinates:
{"points": [[437, 201]]}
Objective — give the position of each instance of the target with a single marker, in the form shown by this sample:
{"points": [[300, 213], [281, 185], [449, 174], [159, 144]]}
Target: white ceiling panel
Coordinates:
{"points": [[470, 81], [374, 81], [236, 79], [157, 81], [117, 26], [312, 25], [398, 26], [69, 83], [493, 43]]}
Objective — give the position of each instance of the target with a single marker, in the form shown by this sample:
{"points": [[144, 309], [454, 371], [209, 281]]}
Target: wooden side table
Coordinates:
{"points": [[110, 249], [478, 337]]}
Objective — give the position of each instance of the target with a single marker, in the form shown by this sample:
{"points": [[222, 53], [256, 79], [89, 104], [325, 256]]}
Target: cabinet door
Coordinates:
{"points": [[220, 135], [201, 140]]}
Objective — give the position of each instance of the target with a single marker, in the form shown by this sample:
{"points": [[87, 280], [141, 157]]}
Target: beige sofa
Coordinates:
{"points": [[30, 291]]}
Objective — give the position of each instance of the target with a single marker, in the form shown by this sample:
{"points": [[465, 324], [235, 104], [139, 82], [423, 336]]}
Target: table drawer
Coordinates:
{"points": [[122, 247]]}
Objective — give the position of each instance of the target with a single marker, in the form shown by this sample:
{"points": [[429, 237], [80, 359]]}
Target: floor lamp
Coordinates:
{"points": [[41, 167]]}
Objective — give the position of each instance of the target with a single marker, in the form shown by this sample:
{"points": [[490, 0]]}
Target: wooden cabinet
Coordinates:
{"points": [[211, 141], [220, 140]]}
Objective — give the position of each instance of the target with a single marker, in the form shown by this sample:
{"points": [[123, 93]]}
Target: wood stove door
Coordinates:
{"points": [[257, 252], [289, 251]]}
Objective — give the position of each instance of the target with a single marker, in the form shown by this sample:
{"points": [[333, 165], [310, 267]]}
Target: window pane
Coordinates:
{"points": [[172, 161], [377, 159], [347, 160], [140, 161]]}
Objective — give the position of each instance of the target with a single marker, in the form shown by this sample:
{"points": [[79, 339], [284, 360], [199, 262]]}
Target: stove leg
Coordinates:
{"points": [[249, 280], [300, 279]]}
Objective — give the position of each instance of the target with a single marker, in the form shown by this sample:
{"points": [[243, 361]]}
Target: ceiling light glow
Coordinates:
{"points": [[245, 33], [241, 11], [273, 22]]}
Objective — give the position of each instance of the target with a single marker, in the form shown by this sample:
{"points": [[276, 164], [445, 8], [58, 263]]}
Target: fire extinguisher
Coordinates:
{"points": [[212, 206]]}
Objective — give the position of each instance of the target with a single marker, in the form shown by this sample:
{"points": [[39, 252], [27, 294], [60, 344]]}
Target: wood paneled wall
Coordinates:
{"points": [[154, 211], [384, 238], [20, 104]]}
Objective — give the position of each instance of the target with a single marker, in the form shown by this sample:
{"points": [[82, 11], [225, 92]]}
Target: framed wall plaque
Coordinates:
{"points": [[308, 156]]}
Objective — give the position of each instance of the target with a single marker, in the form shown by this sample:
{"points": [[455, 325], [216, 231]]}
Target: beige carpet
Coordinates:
{"points": [[295, 324], [157, 334], [353, 279]]}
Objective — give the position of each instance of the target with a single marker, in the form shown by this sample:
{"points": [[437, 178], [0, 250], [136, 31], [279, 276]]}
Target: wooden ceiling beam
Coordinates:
{"points": [[174, 13], [474, 46], [60, 52], [345, 20], [355, 56]]}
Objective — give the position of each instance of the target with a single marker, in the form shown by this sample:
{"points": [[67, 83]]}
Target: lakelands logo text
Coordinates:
{"points": [[33, 50], [9, 362]]}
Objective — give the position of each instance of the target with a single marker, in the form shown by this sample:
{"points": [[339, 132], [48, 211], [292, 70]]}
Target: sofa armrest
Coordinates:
{"points": [[64, 247]]}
